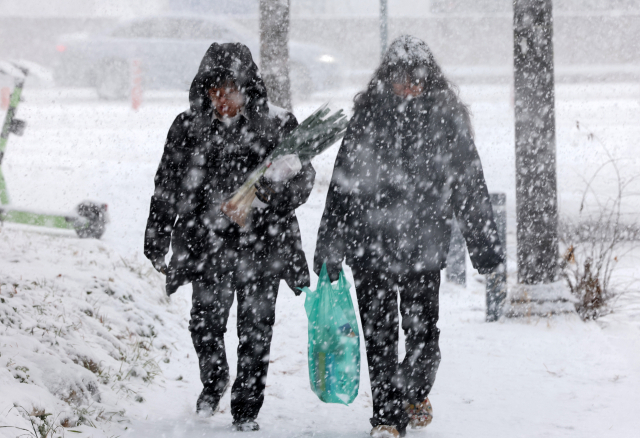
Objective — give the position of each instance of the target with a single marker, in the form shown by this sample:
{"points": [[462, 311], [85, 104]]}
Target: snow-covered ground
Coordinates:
{"points": [[530, 377], [84, 332]]}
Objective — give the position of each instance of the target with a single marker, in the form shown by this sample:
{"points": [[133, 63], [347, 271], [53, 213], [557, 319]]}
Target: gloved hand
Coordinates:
{"points": [[334, 272], [269, 192], [496, 269], [159, 265]]}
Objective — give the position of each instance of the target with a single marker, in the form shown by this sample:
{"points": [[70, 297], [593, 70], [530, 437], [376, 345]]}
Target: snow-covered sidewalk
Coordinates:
{"points": [[523, 378], [528, 377]]}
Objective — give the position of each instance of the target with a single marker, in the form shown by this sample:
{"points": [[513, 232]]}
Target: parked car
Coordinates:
{"points": [[167, 50]]}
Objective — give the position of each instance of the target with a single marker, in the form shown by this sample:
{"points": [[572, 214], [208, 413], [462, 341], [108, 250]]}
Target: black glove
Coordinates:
{"points": [[270, 192], [497, 269], [159, 265], [334, 272]]}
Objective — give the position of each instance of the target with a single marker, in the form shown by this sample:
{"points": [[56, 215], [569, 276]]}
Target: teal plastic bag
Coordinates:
{"points": [[334, 340]]}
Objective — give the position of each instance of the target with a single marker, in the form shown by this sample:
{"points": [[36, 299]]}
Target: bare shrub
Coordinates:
{"points": [[594, 243]]}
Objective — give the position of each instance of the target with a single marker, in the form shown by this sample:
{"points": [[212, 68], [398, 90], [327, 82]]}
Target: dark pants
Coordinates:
{"points": [[394, 383], [256, 315]]}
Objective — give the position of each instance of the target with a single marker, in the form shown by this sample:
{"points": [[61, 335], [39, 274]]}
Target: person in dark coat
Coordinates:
{"points": [[406, 167], [210, 151]]}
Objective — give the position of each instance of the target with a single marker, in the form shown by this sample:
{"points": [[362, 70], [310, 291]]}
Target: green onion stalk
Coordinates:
{"points": [[309, 139]]}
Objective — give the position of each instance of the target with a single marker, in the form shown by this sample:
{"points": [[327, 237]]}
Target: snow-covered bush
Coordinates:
{"points": [[80, 331]]}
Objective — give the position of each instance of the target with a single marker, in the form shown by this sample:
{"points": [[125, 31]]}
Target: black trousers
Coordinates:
{"points": [[394, 383], [256, 315]]}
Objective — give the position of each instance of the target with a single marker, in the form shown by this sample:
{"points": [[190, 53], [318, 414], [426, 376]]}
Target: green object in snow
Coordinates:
{"points": [[334, 340], [89, 219]]}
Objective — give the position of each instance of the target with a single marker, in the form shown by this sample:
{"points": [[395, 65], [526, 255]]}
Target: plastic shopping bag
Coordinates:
{"points": [[334, 340]]}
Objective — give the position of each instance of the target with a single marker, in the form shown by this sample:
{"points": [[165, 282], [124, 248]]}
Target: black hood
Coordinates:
{"points": [[407, 55], [229, 61], [408, 51]]}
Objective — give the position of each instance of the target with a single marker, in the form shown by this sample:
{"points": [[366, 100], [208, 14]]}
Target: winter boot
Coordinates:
{"points": [[384, 431], [208, 401], [420, 414], [246, 426], [207, 404]]}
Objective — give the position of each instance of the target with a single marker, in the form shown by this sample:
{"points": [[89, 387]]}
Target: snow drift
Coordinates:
{"points": [[83, 332]]}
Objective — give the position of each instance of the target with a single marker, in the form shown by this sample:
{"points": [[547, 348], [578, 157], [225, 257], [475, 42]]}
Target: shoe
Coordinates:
{"points": [[208, 401], [207, 404], [384, 431], [246, 426], [420, 414]]}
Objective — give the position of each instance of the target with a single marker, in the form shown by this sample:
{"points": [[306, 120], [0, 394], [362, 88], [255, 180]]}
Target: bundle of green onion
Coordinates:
{"points": [[310, 138]]}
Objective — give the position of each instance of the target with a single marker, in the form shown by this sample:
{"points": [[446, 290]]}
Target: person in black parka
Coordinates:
{"points": [[210, 151], [407, 165]]}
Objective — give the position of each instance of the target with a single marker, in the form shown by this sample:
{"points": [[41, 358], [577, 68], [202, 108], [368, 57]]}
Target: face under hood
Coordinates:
{"points": [[229, 61], [407, 59]]}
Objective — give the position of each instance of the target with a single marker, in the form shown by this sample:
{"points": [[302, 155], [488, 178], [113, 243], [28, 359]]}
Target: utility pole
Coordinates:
{"points": [[274, 50], [536, 191], [384, 34]]}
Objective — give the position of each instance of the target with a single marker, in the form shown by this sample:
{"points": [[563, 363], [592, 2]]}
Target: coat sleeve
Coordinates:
{"points": [[470, 198], [331, 244], [163, 208], [296, 191]]}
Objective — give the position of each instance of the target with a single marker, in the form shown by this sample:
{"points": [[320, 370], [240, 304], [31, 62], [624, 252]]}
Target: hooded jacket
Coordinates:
{"points": [[204, 162], [405, 168]]}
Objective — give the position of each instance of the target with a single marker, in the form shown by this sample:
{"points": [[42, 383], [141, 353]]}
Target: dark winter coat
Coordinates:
{"points": [[204, 162], [404, 169]]}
